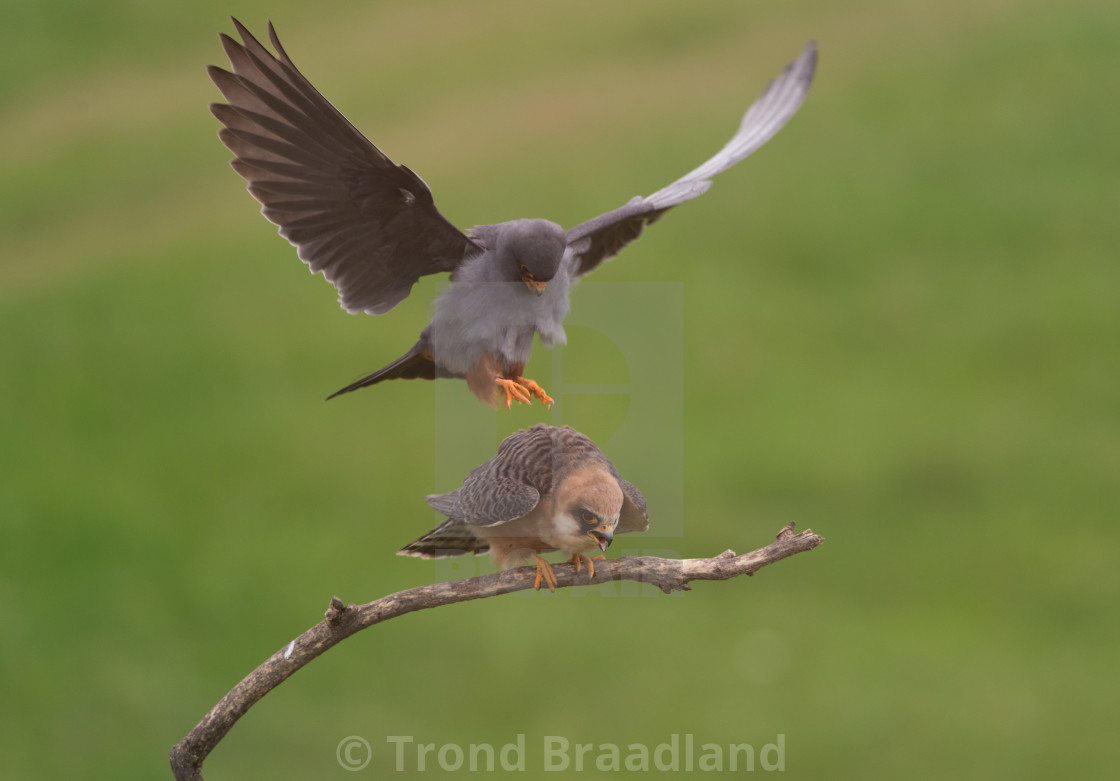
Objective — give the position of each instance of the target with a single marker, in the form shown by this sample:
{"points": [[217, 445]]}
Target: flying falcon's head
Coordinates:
{"points": [[530, 251]]}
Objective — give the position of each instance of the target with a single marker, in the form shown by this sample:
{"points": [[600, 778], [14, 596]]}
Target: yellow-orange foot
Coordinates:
{"points": [[513, 391], [579, 558], [534, 389], [544, 570]]}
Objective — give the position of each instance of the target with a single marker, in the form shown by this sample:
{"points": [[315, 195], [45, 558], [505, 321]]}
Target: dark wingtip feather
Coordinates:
{"points": [[218, 75], [243, 31], [272, 36]]}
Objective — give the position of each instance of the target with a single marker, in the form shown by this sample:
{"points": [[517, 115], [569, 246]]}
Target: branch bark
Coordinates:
{"points": [[342, 621]]}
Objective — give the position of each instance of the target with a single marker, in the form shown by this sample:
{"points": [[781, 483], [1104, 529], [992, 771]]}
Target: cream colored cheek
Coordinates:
{"points": [[567, 536]]}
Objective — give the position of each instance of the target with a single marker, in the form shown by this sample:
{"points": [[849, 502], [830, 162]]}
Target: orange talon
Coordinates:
{"points": [[591, 563], [513, 391], [534, 389], [545, 569], [579, 558]]}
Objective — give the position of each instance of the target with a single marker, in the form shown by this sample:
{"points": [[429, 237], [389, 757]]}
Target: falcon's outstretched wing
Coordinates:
{"points": [[604, 236], [368, 224]]}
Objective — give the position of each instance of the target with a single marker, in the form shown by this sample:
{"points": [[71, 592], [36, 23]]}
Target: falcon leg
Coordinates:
{"points": [[544, 570], [534, 389], [579, 558], [513, 391]]}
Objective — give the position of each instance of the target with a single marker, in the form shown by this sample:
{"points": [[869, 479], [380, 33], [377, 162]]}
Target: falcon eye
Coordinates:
{"points": [[587, 516]]}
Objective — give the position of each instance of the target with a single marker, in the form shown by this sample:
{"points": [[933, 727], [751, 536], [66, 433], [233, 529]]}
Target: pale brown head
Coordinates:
{"points": [[588, 504]]}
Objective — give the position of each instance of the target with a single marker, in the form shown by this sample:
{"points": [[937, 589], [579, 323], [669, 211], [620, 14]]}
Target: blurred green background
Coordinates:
{"points": [[899, 327]]}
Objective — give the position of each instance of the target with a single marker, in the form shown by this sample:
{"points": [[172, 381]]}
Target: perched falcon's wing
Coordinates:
{"points": [[368, 224], [448, 503], [604, 236], [635, 514], [488, 500], [511, 483]]}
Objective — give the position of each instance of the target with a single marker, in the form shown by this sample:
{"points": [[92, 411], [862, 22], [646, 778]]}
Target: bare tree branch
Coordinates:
{"points": [[342, 621]]}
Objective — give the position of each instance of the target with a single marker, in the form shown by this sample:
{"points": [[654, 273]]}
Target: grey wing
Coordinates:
{"points": [[489, 500], [511, 483], [635, 514], [604, 236], [448, 503], [486, 499], [368, 224]]}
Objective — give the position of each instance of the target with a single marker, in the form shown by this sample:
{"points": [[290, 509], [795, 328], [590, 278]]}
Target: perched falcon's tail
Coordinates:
{"points": [[415, 364], [450, 538]]}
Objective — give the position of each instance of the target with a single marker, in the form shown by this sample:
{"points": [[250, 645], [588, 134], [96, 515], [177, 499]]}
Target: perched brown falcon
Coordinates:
{"points": [[547, 489]]}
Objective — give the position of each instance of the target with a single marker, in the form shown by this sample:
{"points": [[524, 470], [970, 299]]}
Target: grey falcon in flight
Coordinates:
{"points": [[372, 228], [547, 489]]}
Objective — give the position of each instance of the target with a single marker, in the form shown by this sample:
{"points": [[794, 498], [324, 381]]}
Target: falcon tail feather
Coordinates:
{"points": [[416, 364]]}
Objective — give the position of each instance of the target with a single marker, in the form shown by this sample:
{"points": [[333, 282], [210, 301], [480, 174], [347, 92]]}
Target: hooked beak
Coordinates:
{"points": [[602, 538], [534, 285]]}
